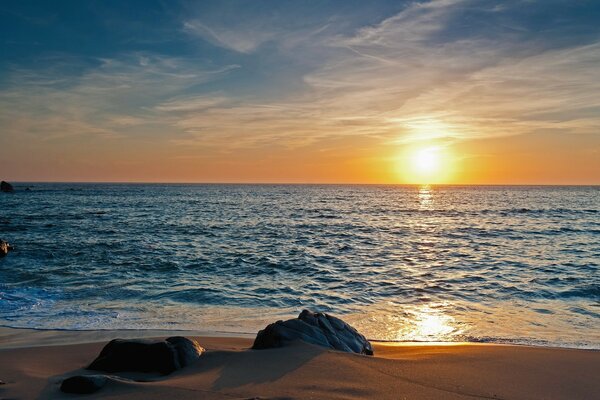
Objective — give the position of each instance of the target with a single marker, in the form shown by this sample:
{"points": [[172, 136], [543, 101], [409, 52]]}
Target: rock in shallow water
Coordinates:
{"points": [[6, 187], [315, 328], [83, 384], [4, 248], [138, 355]]}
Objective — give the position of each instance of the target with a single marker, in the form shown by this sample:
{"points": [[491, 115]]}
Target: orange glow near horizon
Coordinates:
{"points": [[549, 158]]}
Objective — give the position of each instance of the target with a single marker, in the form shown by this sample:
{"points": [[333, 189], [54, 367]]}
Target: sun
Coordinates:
{"points": [[426, 161], [429, 164]]}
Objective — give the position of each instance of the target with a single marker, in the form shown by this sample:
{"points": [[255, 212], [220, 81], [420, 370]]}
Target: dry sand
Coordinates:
{"points": [[33, 363]]}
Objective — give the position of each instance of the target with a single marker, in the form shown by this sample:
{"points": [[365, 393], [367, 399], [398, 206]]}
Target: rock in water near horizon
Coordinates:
{"points": [[4, 248], [139, 355], [6, 187], [83, 384], [315, 328]]}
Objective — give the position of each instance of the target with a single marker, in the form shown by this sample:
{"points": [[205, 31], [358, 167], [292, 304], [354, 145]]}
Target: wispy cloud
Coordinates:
{"points": [[399, 80], [243, 41], [403, 80], [102, 98], [191, 103]]}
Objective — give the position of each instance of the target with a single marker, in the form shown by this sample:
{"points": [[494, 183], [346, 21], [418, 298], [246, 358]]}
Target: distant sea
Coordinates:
{"points": [[507, 264]]}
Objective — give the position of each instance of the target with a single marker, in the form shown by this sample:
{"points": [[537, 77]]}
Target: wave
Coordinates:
{"points": [[141, 255]]}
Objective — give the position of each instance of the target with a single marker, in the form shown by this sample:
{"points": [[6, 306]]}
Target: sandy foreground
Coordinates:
{"points": [[33, 364]]}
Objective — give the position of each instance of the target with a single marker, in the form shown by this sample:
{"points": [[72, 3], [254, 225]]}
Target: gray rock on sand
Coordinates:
{"points": [[6, 187], [139, 355], [5, 248], [83, 384], [188, 350], [316, 328]]}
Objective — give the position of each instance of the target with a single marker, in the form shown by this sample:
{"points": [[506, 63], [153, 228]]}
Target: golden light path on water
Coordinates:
{"points": [[425, 197], [427, 322], [429, 325], [421, 317], [419, 323]]}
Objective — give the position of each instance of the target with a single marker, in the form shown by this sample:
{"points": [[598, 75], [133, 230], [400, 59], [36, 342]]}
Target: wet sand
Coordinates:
{"points": [[34, 363]]}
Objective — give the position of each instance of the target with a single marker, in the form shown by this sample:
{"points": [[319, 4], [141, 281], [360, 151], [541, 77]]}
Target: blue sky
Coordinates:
{"points": [[247, 79]]}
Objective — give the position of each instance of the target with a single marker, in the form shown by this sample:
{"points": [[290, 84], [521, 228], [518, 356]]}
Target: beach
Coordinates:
{"points": [[33, 363]]}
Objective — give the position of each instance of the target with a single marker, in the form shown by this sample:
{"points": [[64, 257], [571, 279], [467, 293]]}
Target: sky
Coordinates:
{"points": [[500, 92]]}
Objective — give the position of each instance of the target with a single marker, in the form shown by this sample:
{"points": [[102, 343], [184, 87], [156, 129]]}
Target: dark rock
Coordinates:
{"points": [[5, 248], [83, 384], [316, 328], [188, 351], [2, 383], [163, 356], [6, 187]]}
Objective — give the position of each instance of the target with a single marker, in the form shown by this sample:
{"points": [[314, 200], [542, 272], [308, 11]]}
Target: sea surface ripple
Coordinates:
{"points": [[512, 264]]}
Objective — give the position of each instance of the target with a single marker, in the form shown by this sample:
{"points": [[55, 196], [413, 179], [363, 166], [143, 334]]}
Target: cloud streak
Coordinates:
{"points": [[105, 98], [240, 41], [401, 81]]}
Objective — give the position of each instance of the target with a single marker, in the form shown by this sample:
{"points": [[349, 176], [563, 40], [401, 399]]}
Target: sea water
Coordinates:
{"points": [[516, 264]]}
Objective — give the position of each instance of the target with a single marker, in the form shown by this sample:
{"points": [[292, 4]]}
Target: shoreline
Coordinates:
{"points": [[13, 338], [34, 363], [35, 337]]}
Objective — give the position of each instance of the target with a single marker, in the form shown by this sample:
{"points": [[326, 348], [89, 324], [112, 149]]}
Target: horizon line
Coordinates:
{"points": [[301, 183]]}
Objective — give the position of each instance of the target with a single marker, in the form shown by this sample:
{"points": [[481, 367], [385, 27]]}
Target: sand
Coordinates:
{"points": [[33, 363]]}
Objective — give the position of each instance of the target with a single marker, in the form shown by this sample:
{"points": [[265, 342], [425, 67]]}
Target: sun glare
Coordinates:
{"points": [[425, 165], [426, 160]]}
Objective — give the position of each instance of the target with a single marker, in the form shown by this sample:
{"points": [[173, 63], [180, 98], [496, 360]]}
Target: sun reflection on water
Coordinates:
{"points": [[432, 322], [425, 196], [429, 325]]}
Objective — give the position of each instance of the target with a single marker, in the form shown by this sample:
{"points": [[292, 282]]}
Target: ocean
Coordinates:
{"points": [[502, 264]]}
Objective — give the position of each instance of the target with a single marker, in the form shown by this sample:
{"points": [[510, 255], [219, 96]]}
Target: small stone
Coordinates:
{"points": [[5, 248], [83, 384]]}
